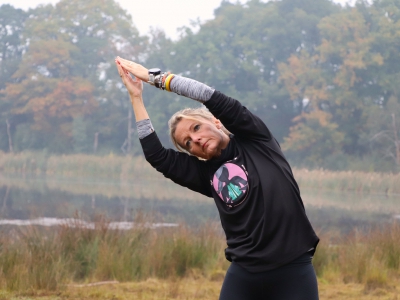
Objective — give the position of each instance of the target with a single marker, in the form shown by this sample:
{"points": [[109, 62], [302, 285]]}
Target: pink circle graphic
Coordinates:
{"points": [[231, 184]]}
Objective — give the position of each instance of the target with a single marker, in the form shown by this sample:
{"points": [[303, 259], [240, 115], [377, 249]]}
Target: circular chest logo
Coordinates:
{"points": [[231, 184]]}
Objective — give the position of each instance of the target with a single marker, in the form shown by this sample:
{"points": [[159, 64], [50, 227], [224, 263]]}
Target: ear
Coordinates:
{"points": [[218, 123]]}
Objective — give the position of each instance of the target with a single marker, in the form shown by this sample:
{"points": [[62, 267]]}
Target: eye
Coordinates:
{"points": [[187, 144], [196, 127]]}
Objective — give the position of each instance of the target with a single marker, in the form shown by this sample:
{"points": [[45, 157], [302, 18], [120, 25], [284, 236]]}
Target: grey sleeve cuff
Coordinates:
{"points": [[144, 128], [191, 88]]}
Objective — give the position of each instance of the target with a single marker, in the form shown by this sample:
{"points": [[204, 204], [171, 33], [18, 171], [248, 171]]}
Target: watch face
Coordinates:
{"points": [[155, 71]]}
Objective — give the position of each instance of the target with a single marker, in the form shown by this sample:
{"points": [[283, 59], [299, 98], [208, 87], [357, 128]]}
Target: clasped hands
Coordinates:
{"points": [[140, 73]]}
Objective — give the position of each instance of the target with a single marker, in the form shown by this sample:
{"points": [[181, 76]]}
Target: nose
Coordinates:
{"points": [[196, 137]]}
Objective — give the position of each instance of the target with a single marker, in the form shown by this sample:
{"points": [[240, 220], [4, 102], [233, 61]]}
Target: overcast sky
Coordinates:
{"points": [[167, 15]]}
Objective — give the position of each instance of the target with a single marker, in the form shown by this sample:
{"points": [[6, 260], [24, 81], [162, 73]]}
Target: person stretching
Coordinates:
{"points": [[228, 153]]}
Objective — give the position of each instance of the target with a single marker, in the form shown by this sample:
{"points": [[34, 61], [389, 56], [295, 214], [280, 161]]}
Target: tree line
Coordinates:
{"points": [[323, 77]]}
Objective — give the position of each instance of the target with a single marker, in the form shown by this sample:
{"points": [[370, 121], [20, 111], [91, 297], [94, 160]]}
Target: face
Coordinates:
{"points": [[202, 138]]}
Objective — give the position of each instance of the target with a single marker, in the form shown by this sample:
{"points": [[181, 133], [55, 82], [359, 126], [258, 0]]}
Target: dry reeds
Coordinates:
{"points": [[36, 258], [76, 166], [129, 169], [377, 183], [369, 258]]}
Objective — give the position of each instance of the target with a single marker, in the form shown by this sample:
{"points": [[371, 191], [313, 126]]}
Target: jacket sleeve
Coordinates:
{"points": [[181, 168], [237, 118]]}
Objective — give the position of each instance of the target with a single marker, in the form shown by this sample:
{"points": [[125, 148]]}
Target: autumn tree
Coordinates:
{"points": [[67, 72], [45, 94], [335, 78], [314, 135]]}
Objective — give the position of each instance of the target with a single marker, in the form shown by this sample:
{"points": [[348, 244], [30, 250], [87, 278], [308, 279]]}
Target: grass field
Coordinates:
{"points": [[191, 288]]}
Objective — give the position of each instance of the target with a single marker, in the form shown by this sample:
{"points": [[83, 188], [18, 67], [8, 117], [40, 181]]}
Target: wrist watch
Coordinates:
{"points": [[155, 76]]}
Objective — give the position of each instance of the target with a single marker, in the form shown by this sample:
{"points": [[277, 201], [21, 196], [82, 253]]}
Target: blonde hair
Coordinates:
{"points": [[195, 114]]}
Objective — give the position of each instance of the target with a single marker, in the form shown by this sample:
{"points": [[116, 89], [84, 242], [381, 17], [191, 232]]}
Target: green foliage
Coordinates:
{"points": [[241, 60], [381, 132], [79, 135], [12, 23], [12, 46]]}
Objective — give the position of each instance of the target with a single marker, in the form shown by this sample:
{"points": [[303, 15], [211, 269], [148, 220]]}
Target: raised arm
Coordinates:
{"points": [[135, 90], [170, 163], [180, 85], [234, 116]]}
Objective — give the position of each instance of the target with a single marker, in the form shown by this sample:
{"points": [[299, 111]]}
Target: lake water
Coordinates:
{"points": [[51, 201]]}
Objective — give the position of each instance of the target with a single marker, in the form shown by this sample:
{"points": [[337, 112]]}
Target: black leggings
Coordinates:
{"points": [[294, 281]]}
